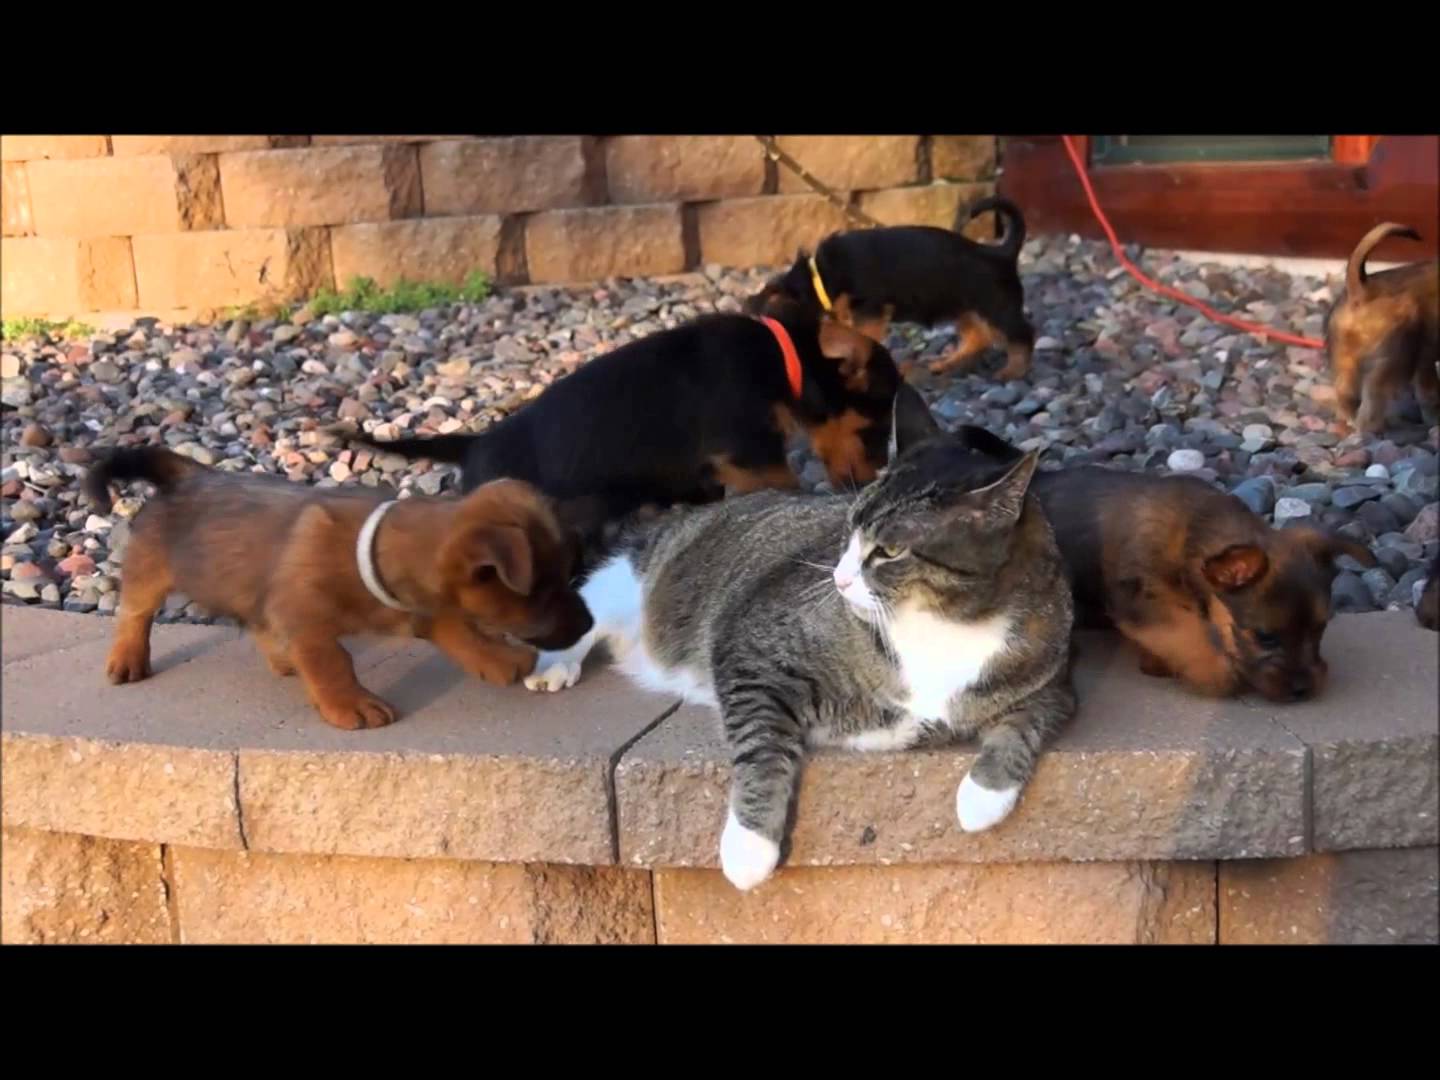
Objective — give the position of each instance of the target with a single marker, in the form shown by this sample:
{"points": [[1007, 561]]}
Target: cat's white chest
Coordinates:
{"points": [[940, 658]]}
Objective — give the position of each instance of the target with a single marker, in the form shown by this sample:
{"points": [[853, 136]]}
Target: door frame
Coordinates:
{"points": [[1293, 208]]}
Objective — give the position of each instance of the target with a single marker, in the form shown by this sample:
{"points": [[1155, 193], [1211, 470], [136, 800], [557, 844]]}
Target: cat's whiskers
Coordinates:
{"points": [[813, 565], [884, 619]]}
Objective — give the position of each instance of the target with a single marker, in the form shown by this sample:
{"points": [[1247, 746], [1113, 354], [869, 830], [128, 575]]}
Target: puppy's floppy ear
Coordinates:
{"points": [[1235, 567], [851, 348], [1326, 547], [502, 551]]}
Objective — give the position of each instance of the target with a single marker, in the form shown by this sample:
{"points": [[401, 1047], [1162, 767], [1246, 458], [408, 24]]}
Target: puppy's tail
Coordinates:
{"points": [[1355, 276], [163, 468], [1009, 244], [450, 449]]}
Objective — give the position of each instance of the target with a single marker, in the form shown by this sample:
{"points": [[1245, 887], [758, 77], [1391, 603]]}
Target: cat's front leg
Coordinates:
{"points": [[768, 743], [1009, 749]]}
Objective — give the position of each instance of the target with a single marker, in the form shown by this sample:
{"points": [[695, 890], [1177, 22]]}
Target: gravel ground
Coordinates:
{"points": [[1120, 376]]}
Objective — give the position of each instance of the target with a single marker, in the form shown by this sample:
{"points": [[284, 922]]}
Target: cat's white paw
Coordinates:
{"points": [[553, 673], [746, 857], [979, 808]]}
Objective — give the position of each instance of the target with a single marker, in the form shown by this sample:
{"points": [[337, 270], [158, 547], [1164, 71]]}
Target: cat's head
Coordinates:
{"points": [[938, 525]]}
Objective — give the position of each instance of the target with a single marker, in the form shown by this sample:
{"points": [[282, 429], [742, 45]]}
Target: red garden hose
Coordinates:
{"points": [[1165, 290]]}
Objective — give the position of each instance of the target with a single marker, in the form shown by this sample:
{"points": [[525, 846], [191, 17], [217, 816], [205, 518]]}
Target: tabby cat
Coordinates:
{"points": [[930, 606]]}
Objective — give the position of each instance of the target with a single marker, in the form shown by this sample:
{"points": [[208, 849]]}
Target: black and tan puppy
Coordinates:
{"points": [[301, 567], [1201, 584], [1383, 333], [683, 415], [1428, 609], [921, 274]]}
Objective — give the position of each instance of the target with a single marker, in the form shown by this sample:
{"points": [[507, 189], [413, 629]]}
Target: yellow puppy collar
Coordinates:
{"points": [[819, 285]]}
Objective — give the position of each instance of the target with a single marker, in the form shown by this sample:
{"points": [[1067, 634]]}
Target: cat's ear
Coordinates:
{"points": [[1002, 501], [911, 422], [982, 441]]}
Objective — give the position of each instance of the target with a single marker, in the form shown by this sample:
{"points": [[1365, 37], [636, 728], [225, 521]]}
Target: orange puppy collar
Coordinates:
{"points": [[792, 358]]}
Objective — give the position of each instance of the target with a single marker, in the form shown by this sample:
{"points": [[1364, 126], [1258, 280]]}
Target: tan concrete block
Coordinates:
{"points": [[931, 204], [58, 276], [15, 200], [140, 145], [69, 770], [422, 249], [230, 266], [131, 791], [962, 157], [586, 245], [1143, 773], [667, 168], [1374, 736], [851, 162], [41, 147], [1023, 904], [1353, 898], [256, 898], [765, 231], [125, 196], [510, 175], [469, 771], [63, 889], [353, 140], [334, 185]]}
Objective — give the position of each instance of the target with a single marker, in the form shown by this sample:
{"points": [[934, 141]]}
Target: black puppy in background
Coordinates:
{"points": [[683, 415], [920, 274]]}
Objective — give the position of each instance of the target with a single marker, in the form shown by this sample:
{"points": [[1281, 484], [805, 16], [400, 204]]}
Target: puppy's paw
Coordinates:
{"points": [[362, 711], [510, 667], [746, 857], [553, 672], [127, 665], [979, 808]]}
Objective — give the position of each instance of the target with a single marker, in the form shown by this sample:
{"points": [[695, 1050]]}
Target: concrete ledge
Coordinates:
{"points": [[1145, 772], [215, 753]]}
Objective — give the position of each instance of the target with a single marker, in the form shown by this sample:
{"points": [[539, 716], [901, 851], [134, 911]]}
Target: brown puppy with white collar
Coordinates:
{"points": [[301, 567]]}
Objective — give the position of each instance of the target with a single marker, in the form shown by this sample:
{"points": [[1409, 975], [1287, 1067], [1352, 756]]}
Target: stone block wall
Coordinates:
{"points": [[496, 815], [66, 888], [181, 225]]}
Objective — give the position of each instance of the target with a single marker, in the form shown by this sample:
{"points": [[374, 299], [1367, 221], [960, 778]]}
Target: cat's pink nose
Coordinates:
{"points": [[843, 582]]}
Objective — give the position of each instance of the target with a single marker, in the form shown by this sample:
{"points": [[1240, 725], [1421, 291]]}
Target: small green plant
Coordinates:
{"points": [[363, 294], [15, 329]]}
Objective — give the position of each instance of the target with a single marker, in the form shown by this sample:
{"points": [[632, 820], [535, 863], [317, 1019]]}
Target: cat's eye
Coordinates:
{"points": [[1267, 640], [884, 551]]}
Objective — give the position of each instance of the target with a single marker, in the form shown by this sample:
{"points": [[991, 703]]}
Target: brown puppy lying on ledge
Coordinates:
{"points": [[300, 567], [1208, 591]]}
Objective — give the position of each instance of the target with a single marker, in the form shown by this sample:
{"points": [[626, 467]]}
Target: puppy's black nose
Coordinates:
{"points": [[1301, 685]]}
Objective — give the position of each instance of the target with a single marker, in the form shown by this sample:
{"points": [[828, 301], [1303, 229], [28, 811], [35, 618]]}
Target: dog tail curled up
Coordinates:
{"points": [[1355, 276], [161, 467], [1009, 213]]}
